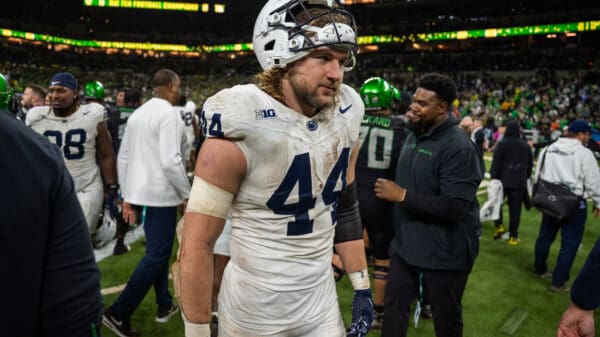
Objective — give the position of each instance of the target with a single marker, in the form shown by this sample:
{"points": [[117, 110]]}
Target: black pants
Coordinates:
{"points": [[445, 289], [515, 204]]}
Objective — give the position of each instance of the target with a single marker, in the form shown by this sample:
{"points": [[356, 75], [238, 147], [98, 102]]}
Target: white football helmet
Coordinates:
{"points": [[106, 230], [190, 106], [280, 39]]}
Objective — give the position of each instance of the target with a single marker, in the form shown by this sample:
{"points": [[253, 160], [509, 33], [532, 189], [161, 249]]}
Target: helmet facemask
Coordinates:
{"points": [[286, 31]]}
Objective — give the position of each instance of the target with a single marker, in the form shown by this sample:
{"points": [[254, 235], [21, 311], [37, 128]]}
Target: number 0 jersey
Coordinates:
{"points": [[283, 215], [75, 135], [381, 140]]}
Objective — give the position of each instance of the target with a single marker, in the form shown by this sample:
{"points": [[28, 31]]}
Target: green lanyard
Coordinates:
{"points": [[420, 302], [143, 215]]}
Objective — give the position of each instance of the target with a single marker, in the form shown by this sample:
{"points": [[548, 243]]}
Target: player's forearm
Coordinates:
{"points": [[352, 254], [196, 278], [108, 165]]}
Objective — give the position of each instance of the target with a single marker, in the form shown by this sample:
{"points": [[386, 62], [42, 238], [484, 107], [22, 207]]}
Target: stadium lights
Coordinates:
{"points": [[569, 29]]}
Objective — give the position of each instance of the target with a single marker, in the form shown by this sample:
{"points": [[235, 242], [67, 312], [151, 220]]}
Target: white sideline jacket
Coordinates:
{"points": [[571, 164], [150, 165]]}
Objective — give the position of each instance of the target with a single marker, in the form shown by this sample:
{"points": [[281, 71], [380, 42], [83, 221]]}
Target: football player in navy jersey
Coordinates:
{"points": [[81, 132], [381, 140], [279, 160]]}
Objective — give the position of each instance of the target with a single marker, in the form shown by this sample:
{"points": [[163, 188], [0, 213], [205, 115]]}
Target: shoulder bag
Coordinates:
{"points": [[552, 199]]}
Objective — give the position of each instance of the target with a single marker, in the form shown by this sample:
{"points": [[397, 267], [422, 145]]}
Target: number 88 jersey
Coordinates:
{"points": [[75, 135], [283, 215]]}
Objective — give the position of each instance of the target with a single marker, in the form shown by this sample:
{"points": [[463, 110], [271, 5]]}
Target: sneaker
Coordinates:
{"points": [[559, 289], [377, 320], [499, 231], [163, 315], [121, 328], [546, 274], [121, 248], [513, 241], [426, 312]]}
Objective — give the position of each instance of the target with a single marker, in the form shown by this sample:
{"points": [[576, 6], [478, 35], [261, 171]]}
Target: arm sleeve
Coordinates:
{"points": [[497, 161], [435, 207], [586, 291], [173, 165], [529, 162]]}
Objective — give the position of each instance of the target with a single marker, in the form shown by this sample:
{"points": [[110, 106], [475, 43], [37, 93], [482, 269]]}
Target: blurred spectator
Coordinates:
{"points": [[512, 164]]}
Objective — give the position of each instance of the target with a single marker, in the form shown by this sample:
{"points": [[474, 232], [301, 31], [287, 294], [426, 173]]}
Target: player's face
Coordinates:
{"points": [[60, 98], [26, 99], [175, 91], [315, 79], [120, 98], [425, 111]]}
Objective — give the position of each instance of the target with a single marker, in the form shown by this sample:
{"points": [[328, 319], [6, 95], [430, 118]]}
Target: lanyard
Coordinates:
{"points": [[143, 215], [419, 303]]}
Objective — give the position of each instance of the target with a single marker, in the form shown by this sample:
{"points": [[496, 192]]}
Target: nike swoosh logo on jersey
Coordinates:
{"points": [[343, 110]]}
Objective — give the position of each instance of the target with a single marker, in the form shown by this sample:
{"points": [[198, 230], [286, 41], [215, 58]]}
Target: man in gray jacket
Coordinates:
{"points": [[569, 163]]}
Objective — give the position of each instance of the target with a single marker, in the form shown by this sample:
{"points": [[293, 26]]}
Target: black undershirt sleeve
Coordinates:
{"points": [[435, 207]]}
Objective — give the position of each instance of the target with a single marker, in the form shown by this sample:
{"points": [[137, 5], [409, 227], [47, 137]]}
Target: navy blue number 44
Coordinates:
{"points": [[300, 172]]}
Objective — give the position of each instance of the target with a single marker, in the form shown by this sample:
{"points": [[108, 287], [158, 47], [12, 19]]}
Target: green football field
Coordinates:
{"points": [[503, 296]]}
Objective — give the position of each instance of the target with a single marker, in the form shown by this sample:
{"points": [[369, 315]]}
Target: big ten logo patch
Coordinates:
{"points": [[265, 113]]}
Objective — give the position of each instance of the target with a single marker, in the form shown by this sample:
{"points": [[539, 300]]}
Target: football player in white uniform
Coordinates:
{"points": [[280, 156], [187, 110], [81, 132]]}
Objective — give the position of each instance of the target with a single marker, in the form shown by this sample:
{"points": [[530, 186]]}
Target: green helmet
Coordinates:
{"points": [[396, 95], [94, 90], [377, 94], [6, 95]]}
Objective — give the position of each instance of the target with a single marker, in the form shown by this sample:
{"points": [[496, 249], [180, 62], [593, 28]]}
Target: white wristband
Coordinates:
{"points": [[195, 329], [360, 279]]}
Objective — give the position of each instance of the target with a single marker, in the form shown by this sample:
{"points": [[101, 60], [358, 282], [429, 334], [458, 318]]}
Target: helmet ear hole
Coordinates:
{"points": [[269, 46]]}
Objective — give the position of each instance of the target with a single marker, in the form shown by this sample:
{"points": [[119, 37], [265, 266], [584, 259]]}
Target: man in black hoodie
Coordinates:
{"points": [[436, 213], [512, 165]]}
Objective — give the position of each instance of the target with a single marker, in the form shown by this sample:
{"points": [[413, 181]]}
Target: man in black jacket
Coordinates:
{"points": [[512, 164], [50, 277], [436, 212]]}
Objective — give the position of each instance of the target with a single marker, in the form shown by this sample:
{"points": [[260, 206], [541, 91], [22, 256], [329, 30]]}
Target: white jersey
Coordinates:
{"points": [[187, 113], [283, 215], [75, 135]]}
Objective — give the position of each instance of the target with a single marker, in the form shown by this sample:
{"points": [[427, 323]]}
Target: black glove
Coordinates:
{"points": [[113, 192], [362, 313], [111, 199]]}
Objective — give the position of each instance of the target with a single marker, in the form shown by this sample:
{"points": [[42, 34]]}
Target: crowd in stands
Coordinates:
{"points": [[544, 89]]}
